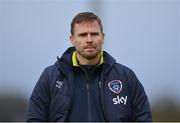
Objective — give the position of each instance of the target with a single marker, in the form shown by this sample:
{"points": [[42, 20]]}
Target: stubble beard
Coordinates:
{"points": [[89, 56]]}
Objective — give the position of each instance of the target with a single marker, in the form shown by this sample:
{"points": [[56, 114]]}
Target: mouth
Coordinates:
{"points": [[90, 48]]}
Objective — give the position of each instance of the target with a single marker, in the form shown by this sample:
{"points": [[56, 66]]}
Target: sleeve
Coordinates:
{"points": [[40, 100], [140, 104]]}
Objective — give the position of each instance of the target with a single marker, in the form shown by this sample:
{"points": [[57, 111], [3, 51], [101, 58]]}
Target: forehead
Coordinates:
{"points": [[87, 25]]}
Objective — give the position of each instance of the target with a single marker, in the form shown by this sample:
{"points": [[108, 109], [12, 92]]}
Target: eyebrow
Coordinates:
{"points": [[86, 33]]}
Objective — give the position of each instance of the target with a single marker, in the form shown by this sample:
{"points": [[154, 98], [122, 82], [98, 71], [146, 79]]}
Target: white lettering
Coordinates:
{"points": [[124, 100], [115, 100], [120, 100]]}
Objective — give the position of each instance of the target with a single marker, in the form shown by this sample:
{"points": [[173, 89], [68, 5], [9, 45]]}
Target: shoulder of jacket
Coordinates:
{"points": [[50, 73], [53, 74], [51, 68]]}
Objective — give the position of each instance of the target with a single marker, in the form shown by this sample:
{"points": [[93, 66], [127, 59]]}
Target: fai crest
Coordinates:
{"points": [[115, 86]]}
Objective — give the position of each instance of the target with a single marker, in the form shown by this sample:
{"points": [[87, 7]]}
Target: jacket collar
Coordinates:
{"points": [[75, 62], [68, 60]]}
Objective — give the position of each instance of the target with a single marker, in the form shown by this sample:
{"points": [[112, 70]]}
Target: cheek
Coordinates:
{"points": [[78, 46], [76, 43], [99, 43]]}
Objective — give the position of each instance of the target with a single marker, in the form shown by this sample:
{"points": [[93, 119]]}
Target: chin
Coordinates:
{"points": [[90, 55]]}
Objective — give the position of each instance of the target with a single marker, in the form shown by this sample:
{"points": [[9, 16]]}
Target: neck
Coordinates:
{"points": [[85, 61]]}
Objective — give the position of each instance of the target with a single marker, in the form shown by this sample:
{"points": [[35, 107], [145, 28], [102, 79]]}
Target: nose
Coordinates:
{"points": [[89, 38]]}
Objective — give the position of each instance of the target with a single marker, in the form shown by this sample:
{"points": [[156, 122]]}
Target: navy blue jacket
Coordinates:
{"points": [[122, 95]]}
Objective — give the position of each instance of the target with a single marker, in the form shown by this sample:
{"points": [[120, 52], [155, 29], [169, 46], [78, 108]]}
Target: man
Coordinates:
{"points": [[86, 83]]}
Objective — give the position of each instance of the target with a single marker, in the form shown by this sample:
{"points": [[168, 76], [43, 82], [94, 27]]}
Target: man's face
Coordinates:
{"points": [[87, 39]]}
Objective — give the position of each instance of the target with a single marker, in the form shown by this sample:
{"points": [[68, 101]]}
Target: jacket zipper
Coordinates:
{"points": [[101, 86], [88, 94], [89, 104]]}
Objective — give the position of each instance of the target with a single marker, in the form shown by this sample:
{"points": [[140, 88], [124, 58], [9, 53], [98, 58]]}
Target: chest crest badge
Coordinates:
{"points": [[115, 86]]}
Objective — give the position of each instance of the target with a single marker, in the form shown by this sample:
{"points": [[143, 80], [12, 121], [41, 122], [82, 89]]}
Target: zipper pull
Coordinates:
{"points": [[87, 87], [99, 84]]}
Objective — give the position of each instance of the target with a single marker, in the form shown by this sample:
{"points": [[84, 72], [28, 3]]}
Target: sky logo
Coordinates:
{"points": [[120, 100]]}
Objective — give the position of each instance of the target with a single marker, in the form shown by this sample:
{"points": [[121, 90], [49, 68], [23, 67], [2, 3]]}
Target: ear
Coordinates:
{"points": [[103, 36], [72, 40]]}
